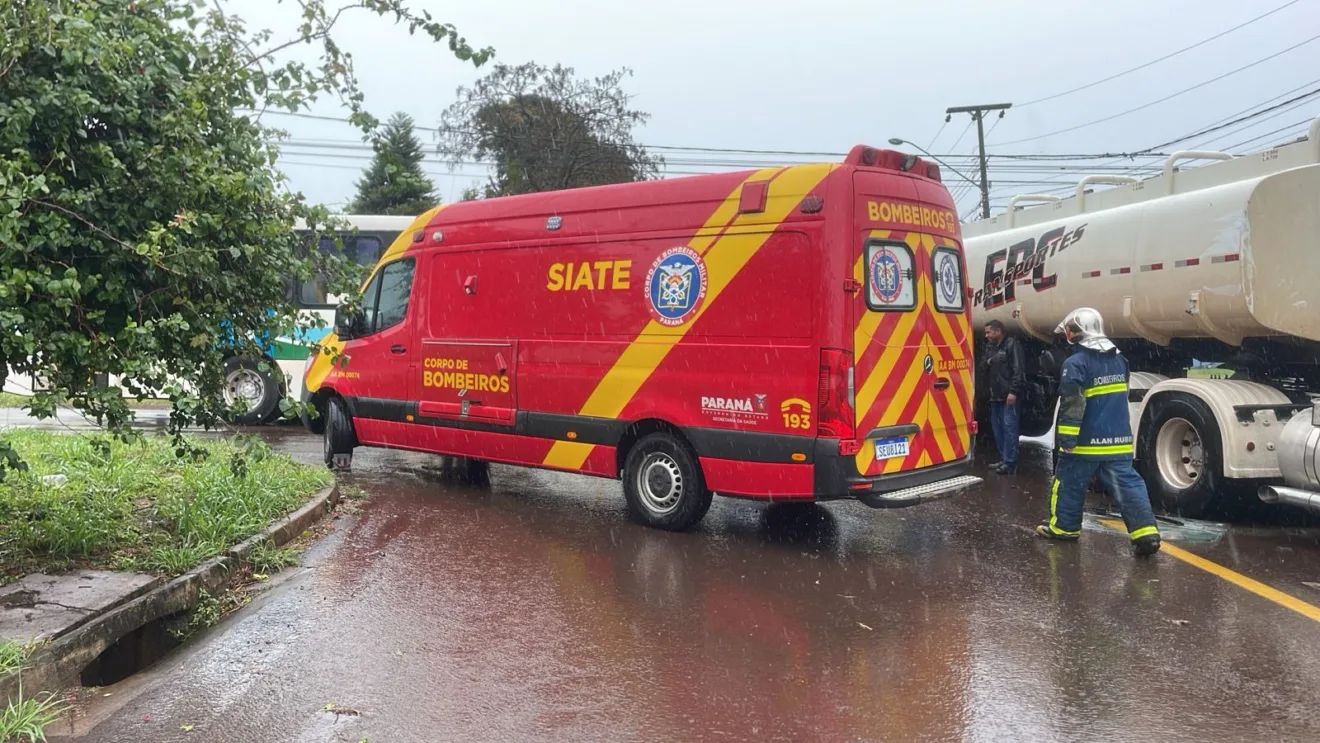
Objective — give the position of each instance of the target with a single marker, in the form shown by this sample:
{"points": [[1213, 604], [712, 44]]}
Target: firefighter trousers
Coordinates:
{"points": [[1072, 478]]}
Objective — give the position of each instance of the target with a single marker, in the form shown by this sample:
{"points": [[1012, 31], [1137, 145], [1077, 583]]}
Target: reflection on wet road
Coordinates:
{"points": [[533, 610]]}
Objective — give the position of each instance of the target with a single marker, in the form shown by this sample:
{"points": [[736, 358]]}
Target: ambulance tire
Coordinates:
{"points": [[339, 438], [466, 471], [1174, 426], [663, 483]]}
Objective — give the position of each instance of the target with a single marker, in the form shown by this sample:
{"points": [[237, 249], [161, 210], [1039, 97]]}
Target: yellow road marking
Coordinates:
{"points": [[1236, 578]]}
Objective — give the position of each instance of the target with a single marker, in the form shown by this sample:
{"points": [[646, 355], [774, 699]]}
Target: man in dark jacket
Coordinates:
{"points": [[1006, 377], [1094, 436]]}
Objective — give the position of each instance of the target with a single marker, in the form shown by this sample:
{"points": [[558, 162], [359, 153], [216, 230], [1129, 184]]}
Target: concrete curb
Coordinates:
{"points": [[59, 664]]}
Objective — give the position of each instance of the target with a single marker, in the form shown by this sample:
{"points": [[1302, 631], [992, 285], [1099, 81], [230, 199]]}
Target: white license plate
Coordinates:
{"points": [[891, 448]]}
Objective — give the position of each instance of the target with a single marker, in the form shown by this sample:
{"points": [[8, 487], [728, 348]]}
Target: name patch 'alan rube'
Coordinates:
{"points": [[796, 333]]}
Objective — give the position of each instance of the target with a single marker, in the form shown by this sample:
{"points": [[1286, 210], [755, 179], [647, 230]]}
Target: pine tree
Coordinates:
{"points": [[395, 183]]}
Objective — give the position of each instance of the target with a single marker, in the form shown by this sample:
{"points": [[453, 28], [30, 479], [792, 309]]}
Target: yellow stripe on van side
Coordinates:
{"points": [[736, 246], [324, 362]]}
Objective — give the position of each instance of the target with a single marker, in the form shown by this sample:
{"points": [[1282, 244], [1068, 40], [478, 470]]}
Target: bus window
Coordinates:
{"points": [[364, 250]]}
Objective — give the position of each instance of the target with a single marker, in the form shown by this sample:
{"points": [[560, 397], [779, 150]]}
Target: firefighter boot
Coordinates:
{"points": [[1044, 531], [1147, 545]]}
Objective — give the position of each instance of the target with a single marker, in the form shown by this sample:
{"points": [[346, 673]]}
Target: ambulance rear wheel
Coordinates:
{"points": [[339, 438], [663, 484]]}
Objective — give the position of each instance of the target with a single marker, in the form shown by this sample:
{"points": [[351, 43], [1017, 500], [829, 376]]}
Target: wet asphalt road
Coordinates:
{"points": [[533, 610]]}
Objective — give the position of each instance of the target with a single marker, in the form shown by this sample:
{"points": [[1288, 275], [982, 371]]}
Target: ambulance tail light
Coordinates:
{"points": [[835, 399]]}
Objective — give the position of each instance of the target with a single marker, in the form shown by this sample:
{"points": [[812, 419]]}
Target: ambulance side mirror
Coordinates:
{"points": [[347, 324]]}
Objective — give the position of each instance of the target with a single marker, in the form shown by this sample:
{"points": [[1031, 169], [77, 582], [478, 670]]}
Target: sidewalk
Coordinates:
{"points": [[69, 419]]}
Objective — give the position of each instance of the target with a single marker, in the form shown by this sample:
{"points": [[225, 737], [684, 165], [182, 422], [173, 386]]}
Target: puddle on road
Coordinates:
{"points": [[1172, 529]]}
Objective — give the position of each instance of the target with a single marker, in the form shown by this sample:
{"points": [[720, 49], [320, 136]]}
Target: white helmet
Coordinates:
{"points": [[1088, 329]]}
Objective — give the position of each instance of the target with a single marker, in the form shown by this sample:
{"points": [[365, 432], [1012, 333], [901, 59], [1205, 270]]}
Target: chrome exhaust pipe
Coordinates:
{"points": [[1290, 497]]}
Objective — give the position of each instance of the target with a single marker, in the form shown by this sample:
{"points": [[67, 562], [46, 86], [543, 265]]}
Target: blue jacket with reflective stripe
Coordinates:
{"points": [[1093, 406]]}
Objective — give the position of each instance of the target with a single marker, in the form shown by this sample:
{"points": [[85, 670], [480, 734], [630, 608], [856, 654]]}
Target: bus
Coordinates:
{"points": [[262, 382]]}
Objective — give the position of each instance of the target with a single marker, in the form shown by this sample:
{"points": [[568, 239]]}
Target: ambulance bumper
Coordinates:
{"points": [[836, 478]]}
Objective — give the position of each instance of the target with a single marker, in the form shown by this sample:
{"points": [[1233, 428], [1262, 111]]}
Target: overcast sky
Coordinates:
{"points": [[823, 75]]}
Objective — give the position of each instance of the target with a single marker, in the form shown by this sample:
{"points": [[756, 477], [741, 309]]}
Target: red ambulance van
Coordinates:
{"points": [[796, 333]]}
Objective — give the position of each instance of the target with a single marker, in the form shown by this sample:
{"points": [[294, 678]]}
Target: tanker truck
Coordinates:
{"points": [[1214, 267]]}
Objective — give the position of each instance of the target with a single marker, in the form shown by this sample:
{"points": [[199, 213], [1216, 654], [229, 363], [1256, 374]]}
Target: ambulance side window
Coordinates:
{"points": [[950, 291], [396, 281]]}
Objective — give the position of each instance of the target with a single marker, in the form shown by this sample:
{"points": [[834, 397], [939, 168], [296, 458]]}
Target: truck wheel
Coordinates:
{"points": [[664, 485], [339, 438], [1180, 456], [259, 390]]}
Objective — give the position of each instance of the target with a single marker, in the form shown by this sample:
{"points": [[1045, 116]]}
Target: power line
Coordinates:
{"points": [[960, 137], [938, 133], [1234, 132], [1262, 103], [1269, 134], [1161, 59], [1165, 98], [1007, 163], [335, 166], [343, 120], [1301, 98]]}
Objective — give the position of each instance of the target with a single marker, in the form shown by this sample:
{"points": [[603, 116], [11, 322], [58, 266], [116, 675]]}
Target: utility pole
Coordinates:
{"points": [[978, 115]]}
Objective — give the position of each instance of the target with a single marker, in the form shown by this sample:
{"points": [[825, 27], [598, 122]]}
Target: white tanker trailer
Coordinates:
{"points": [[1217, 264]]}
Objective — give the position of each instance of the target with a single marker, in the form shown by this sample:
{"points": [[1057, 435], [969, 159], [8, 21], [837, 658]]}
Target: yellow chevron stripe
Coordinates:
{"points": [[896, 464], [725, 256], [323, 364], [940, 429], [866, 327], [958, 354], [901, 396], [879, 373]]}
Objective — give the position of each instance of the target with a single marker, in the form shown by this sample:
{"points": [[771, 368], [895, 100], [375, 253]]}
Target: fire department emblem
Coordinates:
{"points": [[676, 286], [947, 276], [886, 276]]}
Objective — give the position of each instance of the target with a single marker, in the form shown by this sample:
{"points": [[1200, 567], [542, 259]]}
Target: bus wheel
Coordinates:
{"points": [[339, 438], [259, 390], [1179, 456], [664, 485]]}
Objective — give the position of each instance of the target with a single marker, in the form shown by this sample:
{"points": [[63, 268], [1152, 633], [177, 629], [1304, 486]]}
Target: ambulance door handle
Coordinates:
{"points": [[398, 349], [942, 383], [501, 365]]}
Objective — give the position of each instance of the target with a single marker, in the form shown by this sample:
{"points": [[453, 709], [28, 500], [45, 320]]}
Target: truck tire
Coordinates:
{"points": [[261, 390], [1180, 455], [663, 484], [339, 438]]}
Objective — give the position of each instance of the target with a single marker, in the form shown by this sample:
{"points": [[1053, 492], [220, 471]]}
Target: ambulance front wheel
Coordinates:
{"points": [[338, 438], [663, 484]]}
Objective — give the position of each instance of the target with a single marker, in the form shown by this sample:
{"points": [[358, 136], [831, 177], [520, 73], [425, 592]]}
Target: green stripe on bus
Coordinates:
{"points": [[288, 351]]}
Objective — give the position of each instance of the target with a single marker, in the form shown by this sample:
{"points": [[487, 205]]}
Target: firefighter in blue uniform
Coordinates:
{"points": [[1094, 436]]}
